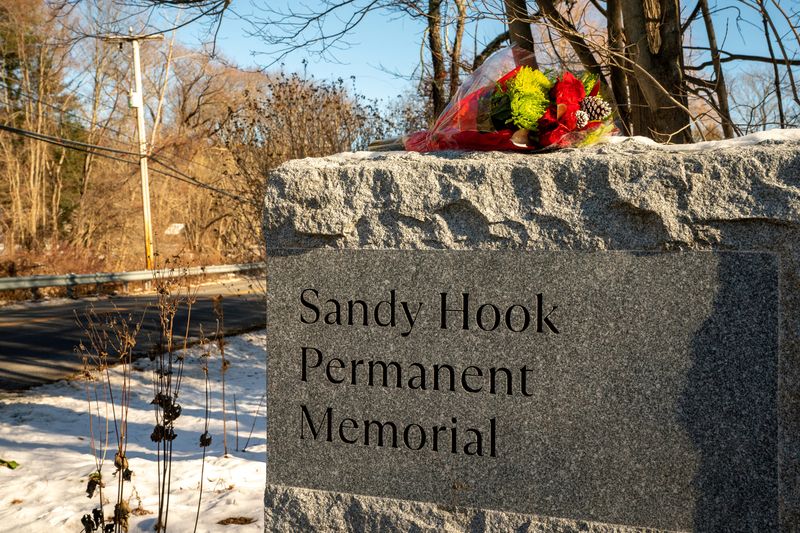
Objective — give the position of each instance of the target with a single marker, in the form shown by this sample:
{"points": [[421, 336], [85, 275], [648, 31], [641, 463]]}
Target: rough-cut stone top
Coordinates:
{"points": [[621, 196]]}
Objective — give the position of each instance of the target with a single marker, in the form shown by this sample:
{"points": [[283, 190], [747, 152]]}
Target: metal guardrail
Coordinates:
{"points": [[73, 280]]}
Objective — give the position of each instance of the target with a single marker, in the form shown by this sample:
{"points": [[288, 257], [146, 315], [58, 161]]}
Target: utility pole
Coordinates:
{"points": [[136, 101]]}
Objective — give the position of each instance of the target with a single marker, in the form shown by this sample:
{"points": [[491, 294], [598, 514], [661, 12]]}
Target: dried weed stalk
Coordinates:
{"points": [[167, 374], [110, 341]]}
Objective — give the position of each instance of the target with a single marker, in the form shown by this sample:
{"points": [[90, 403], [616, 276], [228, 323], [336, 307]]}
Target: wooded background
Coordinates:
{"points": [[70, 197]]}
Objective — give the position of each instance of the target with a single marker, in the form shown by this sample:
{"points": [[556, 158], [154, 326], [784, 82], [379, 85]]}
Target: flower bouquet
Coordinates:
{"points": [[506, 105]]}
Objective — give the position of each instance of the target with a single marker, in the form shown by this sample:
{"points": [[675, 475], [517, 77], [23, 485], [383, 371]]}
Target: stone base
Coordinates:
{"points": [[295, 510]]}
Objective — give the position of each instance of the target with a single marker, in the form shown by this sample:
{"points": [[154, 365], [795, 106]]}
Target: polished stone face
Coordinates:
{"points": [[626, 388]]}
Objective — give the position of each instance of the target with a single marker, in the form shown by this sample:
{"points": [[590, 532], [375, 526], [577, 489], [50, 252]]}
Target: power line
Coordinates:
{"points": [[193, 181], [69, 143], [56, 142], [170, 158], [172, 166], [66, 111], [91, 149]]}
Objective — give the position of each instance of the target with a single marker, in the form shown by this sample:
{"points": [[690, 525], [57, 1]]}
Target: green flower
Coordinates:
{"points": [[529, 81], [588, 79], [527, 109], [528, 92]]}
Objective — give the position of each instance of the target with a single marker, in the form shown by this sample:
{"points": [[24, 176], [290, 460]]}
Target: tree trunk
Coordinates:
{"points": [[455, 55], [640, 114], [719, 85], [163, 91], [777, 76], [519, 29], [616, 48], [438, 98], [653, 35]]}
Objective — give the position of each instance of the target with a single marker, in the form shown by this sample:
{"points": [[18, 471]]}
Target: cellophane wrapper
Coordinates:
{"points": [[466, 122]]}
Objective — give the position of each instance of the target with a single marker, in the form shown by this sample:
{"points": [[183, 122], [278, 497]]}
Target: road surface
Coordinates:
{"points": [[38, 340]]}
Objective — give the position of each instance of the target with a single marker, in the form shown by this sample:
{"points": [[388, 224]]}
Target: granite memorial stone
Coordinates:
{"points": [[604, 341]]}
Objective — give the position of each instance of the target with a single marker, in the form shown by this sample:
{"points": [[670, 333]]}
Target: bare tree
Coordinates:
{"points": [[32, 76], [519, 27], [281, 120], [653, 37], [720, 87], [325, 29]]}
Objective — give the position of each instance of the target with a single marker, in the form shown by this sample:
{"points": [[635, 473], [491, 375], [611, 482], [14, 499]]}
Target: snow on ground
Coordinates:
{"points": [[46, 431]]}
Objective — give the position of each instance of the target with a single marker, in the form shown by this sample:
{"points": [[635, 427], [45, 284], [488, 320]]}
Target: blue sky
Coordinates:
{"points": [[384, 45], [377, 46], [383, 50]]}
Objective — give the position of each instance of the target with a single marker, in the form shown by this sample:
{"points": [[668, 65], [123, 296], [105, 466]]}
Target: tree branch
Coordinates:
{"points": [[737, 57], [493, 46], [691, 18], [575, 39], [599, 8]]}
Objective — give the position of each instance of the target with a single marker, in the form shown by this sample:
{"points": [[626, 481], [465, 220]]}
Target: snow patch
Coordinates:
{"points": [[46, 431], [769, 136], [775, 135]]}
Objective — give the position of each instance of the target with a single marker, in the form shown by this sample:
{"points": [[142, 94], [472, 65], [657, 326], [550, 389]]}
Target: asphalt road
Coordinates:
{"points": [[38, 340]]}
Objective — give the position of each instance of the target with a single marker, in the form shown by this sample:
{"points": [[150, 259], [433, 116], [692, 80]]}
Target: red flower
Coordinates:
{"points": [[510, 74], [559, 119]]}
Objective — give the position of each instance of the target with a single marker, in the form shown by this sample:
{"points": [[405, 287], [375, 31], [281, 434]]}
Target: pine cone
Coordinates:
{"points": [[595, 107], [581, 119]]}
